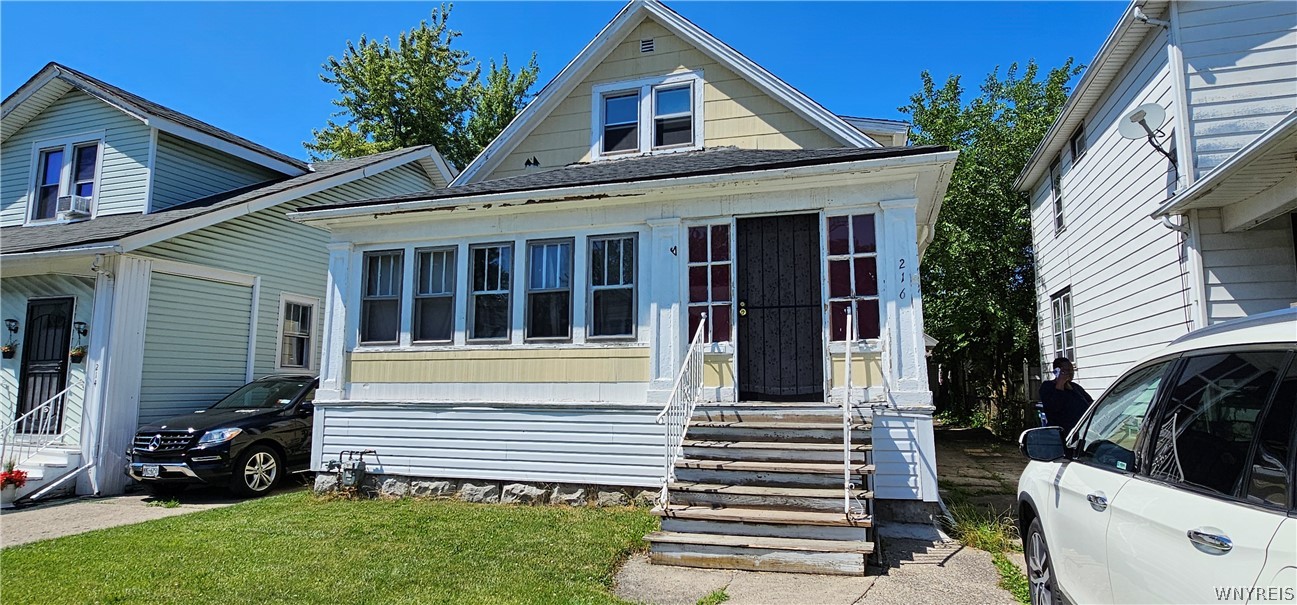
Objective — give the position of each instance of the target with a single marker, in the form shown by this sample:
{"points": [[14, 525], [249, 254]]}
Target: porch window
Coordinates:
{"points": [[1056, 192], [612, 286], [380, 307], [434, 295], [296, 327], [549, 290], [710, 289], [853, 275], [492, 268], [1064, 335]]}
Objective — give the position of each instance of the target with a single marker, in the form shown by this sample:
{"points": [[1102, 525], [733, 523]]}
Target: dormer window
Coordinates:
{"points": [[648, 116], [65, 180]]}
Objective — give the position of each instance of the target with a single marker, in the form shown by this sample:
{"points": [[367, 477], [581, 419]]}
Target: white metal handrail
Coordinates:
{"points": [[44, 417], [680, 406], [846, 420]]}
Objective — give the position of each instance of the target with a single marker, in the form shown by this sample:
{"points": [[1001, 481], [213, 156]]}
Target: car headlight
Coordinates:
{"points": [[218, 436]]}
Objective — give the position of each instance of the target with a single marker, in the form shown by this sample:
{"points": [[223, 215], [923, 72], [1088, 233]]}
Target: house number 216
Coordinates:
{"points": [[902, 280]]}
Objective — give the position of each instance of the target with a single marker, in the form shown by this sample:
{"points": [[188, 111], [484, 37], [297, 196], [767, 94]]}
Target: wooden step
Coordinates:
{"points": [[774, 530], [783, 474], [760, 553], [774, 450], [778, 424], [815, 468], [758, 490], [775, 430], [760, 496], [780, 411], [739, 514], [762, 542]]}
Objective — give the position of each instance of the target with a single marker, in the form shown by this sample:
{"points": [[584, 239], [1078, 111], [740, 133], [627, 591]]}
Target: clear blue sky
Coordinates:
{"points": [[252, 68]]}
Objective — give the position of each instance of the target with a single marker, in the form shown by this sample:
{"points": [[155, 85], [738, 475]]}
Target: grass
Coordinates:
{"points": [[1012, 579], [715, 597], [295, 548], [995, 533], [172, 503]]}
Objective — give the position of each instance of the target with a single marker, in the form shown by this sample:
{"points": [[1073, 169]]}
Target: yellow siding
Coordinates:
{"points": [[866, 371], [718, 371], [503, 365], [734, 111]]}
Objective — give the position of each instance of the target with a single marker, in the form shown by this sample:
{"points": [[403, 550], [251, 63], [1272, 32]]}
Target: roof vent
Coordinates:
{"points": [[646, 46]]}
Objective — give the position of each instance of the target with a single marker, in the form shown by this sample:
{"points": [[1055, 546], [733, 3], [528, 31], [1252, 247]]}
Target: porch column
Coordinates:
{"points": [[115, 363], [333, 353], [906, 366], [663, 282]]}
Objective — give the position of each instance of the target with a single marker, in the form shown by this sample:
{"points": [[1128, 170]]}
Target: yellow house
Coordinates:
{"points": [[672, 272]]}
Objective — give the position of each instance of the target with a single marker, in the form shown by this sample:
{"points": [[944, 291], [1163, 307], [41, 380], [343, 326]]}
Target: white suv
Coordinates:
{"points": [[1178, 484]]}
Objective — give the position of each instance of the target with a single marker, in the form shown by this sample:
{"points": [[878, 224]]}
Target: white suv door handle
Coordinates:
{"points": [[1219, 542], [1097, 502]]}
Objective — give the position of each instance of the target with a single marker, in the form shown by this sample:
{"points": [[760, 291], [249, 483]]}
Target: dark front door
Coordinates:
{"points": [[780, 355], [45, 363]]}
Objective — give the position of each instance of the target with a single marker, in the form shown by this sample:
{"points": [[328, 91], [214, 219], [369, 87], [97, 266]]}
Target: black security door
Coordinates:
{"points": [[780, 355], [45, 362]]}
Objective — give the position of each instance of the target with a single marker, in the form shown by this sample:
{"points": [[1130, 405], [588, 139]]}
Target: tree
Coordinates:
{"points": [[978, 273], [420, 90]]}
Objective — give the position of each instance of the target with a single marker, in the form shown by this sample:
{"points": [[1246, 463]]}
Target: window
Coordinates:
{"points": [[1064, 335], [1205, 431], [47, 187], [549, 290], [296, 326], [380, 307], [659, 114], [1108, 440], [1268, 484], [1078, 143], [492, 267], [63, 169], [612, 286], [1056, 190], [710, 291], [434, 295], [853, 275]]}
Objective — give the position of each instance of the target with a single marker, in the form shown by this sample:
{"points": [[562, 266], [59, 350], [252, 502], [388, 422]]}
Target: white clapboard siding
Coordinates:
{"points": [[603, 446], [903, 457], [185, 171], [1241, 64], [195, 344], [1125, 270], [1247, 272], [124, 168], [14, 294]]}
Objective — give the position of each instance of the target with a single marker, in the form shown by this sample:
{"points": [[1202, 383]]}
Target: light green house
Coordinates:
{"points": [[147, 267]]}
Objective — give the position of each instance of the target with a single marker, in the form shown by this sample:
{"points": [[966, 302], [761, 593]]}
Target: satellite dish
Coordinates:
{"points": [[1144, 122]]}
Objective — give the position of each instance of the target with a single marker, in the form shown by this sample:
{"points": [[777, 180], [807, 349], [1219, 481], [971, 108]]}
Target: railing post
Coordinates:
{"points": [[846, 418]]}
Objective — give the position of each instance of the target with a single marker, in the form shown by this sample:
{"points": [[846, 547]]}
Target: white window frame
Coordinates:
{"points": [[398, 296], [1063, 325], [1078, 144], [68, 145], [1056, 195], [471, 294], [722, 341], [312, 333], [590, 287], [415, 295], [645, 88], [530, 289], [850, 257]]}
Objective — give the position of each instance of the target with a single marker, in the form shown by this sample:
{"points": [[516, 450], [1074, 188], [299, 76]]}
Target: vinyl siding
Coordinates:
{"points": [[603, 446], [14, 294], [1129, 285], [124, 169], [1241, 72], [185, 171], [734, 111], [1247, 272]]}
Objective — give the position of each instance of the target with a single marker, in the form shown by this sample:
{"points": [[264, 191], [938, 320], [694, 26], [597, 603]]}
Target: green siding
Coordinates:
{"points": [[124, 178], [195, 344], [14, 293], [186, 171]]}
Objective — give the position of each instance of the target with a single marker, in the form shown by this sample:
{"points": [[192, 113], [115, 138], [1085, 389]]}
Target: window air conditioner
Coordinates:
{"points": [[74, 206]]}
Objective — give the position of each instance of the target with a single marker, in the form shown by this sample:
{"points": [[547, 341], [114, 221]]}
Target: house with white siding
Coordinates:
{"points": [[1190, 223], [147, 268], [672, 274]]}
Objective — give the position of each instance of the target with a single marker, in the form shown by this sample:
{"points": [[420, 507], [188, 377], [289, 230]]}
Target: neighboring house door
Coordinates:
{"points": [[780, 323], [45, 363]]}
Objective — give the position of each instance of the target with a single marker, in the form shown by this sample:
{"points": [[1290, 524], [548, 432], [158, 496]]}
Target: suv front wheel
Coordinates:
{"points": [[1040, 567], [256, 471]]}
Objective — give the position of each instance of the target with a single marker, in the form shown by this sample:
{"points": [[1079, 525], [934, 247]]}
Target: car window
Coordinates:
{"points": [[1110, 434], [263, 394], [1268, 484], [1205, 430]]}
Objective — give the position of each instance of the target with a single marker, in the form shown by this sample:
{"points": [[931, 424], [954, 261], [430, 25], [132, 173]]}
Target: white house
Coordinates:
{"points": [[666, 222], [1139, 242], [147, 268]]}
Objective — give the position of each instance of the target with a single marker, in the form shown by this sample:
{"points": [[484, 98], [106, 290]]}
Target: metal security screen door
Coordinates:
{"points": [[780, 354], [45, 361]]}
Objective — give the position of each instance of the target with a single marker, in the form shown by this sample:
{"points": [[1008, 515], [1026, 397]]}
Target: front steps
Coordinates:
{"points": [[760, 488], [47, 467]]}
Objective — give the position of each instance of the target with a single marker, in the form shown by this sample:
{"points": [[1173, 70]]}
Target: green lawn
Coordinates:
{"points": [[294, 548]]}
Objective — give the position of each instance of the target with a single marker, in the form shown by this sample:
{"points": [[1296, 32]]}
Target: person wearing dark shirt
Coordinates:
{"points": [[1064, 401]]}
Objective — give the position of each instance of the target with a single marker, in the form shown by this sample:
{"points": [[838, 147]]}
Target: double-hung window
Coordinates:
{"points": [[646, 116], [1064, 337], [434, 295], [673, 116], [1078, 143], [710, 291], [296, 327], [612, 286], [1056, 192], [549, 290], [380, 305], [61, 170], [492, 270], [621, 122], [853, 275]]}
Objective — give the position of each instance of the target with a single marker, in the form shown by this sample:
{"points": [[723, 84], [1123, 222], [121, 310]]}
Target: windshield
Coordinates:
{"points": [[262, 394]]}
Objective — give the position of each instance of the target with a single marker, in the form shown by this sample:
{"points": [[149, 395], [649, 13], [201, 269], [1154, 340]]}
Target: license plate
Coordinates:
{"points": [[150, 470]]}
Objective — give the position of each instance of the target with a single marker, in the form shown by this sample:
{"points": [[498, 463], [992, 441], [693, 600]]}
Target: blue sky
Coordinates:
{"points": [[253, 68]]}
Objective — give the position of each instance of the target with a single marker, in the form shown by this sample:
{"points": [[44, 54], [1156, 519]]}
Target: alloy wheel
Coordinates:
{"points": [[260, 471], [1039, 571]]}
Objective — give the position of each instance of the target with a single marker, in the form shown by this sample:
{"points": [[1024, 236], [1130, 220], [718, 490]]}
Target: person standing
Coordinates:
{"points": [[1064, 401]]}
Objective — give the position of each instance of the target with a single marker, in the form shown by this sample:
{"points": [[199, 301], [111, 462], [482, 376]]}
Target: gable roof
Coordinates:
{"points": [[55, 80], [133, 231], [630, 16]]}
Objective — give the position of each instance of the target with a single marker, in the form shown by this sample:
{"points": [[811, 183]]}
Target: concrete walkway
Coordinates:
{"points": [[974, 467]]}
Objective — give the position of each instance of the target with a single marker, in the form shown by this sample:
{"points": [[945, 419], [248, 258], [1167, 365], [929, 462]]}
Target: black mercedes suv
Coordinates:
{"points": [[247, 441]]}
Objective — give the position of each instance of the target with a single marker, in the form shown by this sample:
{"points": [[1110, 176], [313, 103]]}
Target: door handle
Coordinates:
{"points": [[1097, 502], [1203, 537]]}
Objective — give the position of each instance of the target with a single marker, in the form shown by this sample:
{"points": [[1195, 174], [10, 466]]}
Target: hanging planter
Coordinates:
{"points": [[77, 354], [7, 351]]}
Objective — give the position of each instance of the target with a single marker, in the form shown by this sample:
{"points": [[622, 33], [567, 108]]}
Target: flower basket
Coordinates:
{"points": [[7, 351], [10, 480], [77, 354]]}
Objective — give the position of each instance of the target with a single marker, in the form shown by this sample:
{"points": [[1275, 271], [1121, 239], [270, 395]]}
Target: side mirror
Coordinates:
{"points": [[1044, 444], [306, 408]]}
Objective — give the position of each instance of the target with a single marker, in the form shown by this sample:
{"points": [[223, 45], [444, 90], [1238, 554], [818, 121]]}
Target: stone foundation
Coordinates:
{"points": [[502, 492]]}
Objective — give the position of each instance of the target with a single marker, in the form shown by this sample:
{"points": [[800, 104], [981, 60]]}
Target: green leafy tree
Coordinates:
{"points": [[978, 273], [419, 90]]}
